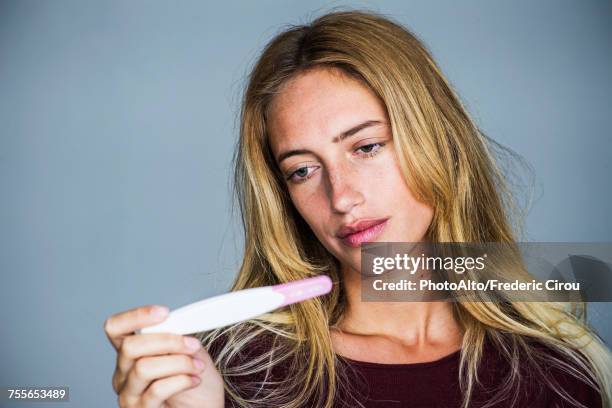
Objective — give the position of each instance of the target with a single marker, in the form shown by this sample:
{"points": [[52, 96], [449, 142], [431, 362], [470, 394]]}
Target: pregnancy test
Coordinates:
{"points": [[233, 307]]}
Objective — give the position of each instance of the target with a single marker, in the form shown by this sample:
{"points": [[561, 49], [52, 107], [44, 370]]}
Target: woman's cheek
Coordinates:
{"points": [[307, 205], [382, 171]]}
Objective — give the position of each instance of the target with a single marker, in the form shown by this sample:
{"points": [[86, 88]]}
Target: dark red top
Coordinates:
{"points": [[435, 384]]}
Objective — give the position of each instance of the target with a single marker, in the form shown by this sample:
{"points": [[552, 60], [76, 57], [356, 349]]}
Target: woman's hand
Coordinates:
{"points": [[160, 370]]}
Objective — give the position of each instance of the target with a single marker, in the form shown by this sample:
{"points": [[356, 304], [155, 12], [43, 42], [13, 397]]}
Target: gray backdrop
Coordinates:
{"points": [[118, 120]]}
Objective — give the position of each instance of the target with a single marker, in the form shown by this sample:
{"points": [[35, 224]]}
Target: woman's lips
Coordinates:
{"points": [[354, 240]]}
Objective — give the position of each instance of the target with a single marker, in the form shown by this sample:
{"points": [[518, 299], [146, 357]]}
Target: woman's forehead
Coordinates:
{"points": [[320, 104]]}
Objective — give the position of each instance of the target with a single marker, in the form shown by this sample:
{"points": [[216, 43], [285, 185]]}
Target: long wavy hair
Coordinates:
{"points": [[449, 163]]}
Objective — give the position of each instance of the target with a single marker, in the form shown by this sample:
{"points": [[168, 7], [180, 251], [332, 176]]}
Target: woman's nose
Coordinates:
{"points": [[344, 193]]}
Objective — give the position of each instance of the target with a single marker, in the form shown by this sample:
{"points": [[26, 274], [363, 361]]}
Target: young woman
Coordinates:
{"points": [[346, 124]]}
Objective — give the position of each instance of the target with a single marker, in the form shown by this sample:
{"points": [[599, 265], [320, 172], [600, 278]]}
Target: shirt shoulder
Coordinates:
{"points": [[575, 386], [545, 376], [250, 369]]}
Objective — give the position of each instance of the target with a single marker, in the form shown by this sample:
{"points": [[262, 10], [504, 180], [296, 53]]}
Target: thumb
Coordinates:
{"points": [[210, 370], [203, 355], [211, 381], [209, 392]]}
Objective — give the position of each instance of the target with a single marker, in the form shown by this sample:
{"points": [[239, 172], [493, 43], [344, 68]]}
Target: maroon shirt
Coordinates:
{"points": [[435, 383]]}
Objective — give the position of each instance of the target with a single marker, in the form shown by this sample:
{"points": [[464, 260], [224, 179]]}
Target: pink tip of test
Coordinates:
{"points": [[232, 307], [303, 289]]}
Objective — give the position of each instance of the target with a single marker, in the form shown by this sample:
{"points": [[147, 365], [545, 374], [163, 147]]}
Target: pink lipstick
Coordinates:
{"points": [[369, 234]]}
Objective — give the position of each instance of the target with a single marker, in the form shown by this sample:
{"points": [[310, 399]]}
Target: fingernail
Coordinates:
{"points": [[159, 311], [198, 363], [196, 380], [192, 343]]}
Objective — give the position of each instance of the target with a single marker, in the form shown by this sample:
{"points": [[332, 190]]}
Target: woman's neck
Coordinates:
{"points": [[415, 325]]}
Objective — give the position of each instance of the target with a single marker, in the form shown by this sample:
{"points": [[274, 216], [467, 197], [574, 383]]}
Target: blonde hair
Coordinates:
{"points": [[449, 164]]}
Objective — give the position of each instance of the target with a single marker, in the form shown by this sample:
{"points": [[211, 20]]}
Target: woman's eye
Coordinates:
{"points": [[368, 149], [302, 174]]}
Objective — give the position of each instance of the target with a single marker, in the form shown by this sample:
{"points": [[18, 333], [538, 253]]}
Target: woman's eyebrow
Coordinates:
{"points": [[346, 134]]}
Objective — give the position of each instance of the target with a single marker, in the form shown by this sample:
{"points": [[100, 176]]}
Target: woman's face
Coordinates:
{"points": [[331, 139]]}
